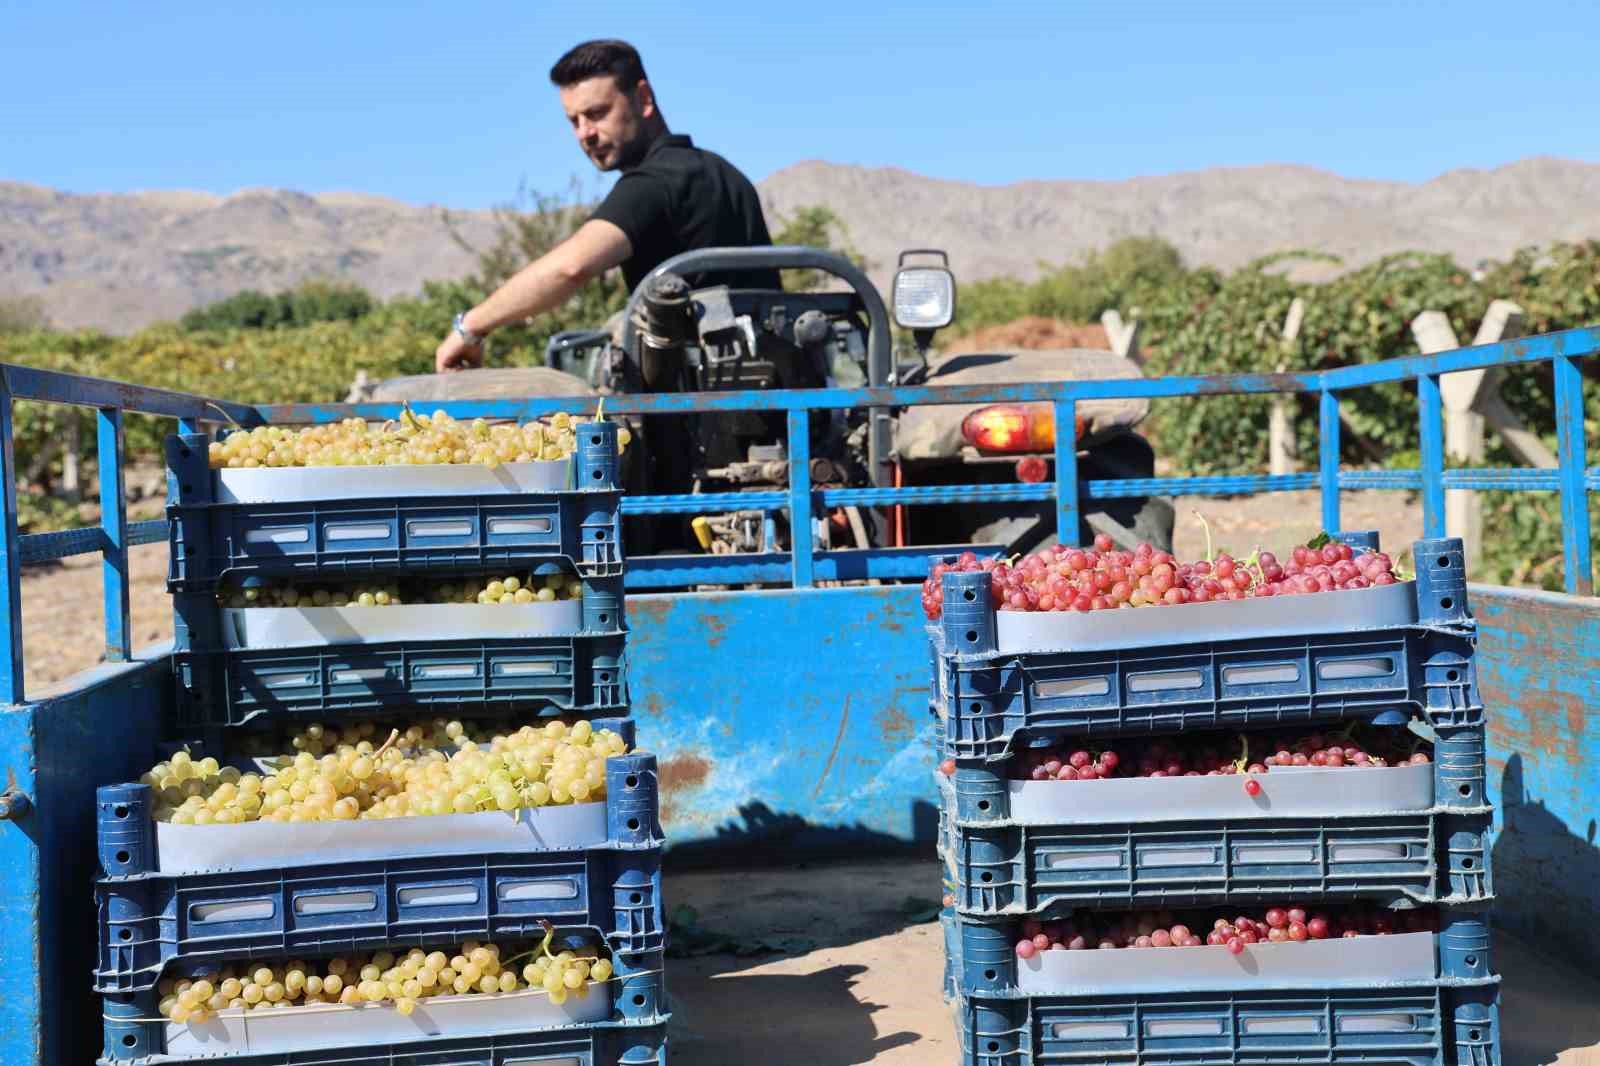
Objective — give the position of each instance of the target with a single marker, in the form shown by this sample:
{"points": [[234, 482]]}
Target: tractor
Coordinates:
{"points": [[681, 332]]}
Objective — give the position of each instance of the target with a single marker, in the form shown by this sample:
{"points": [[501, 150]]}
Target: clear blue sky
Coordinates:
{"points": [[450, 103]]}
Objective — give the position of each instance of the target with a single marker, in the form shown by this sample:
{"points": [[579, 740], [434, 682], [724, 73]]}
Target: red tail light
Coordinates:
{"points": [[1012, 427]]}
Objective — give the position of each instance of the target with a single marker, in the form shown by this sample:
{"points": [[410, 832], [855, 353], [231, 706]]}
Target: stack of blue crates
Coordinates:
{"points": [[1436, 1007], [170, 916]]}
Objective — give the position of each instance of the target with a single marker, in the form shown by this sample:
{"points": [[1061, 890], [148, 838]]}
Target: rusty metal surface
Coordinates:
{"points": [[58, 751], [786, 720], [1539, 671]]}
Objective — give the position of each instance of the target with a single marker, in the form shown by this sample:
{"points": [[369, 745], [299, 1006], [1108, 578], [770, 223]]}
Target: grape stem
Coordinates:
{"points": [[394, 735], [1207, 527]]}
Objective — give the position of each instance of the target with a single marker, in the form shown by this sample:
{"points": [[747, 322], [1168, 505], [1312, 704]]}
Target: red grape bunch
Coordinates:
{"points": [[1163, 929], [1102, 577], [1206, 755]]}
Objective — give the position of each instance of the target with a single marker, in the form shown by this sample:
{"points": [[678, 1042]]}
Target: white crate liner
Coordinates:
{"points": [[297, 484], [191, 849], [1268, 616], [1358, 962], [372, 1025], [316, 627], [1298, 792]]}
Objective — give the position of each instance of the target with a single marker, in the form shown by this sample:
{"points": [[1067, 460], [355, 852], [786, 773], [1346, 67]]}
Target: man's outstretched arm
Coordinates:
{"points": [[547, 282]]}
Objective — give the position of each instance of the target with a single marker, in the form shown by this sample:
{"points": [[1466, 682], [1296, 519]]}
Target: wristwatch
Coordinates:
{"points": [[474, 340]]}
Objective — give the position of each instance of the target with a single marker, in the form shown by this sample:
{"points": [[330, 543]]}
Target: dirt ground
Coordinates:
{"points": [[868, 990], [62, 611]]}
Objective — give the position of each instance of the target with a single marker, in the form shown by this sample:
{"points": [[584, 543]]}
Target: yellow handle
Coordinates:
{"points": [[702, 532]]}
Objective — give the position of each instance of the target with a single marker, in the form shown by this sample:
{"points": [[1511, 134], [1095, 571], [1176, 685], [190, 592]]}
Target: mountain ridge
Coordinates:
{"points": [[119, 261]]}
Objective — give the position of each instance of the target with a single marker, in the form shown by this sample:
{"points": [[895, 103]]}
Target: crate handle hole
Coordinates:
{"points": [[120, 811], [983, 805], [600, 534], [994, 1045], [638, 1000], [124, 934], [605, 675], [594, 439], [1465, 790], [604, 618], [968, 595], [976, 708], [1451, 675], [1473, 1034], [1447, 603], [988, 975], [123, 856], [1467, 864], [633, 823], [598, 474], [987, 877], [972, 636], [632, 781], [635, 899], [1444, 560], [1472, 960], [128, 1040]]}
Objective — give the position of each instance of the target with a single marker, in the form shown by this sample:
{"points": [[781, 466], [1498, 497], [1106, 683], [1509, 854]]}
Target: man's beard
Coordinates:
{"points": [[631, 154]]}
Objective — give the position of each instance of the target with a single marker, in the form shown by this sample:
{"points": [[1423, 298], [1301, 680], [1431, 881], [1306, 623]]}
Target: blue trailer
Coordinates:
{"points": [[793, 718]]}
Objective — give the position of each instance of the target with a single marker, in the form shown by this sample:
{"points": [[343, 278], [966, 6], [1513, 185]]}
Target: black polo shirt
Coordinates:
{"points": [[678, 198]]}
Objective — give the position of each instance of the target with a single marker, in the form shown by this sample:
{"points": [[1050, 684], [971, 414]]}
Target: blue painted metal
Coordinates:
{"points": [[1328, 457], [1538, 660], [1430, 416], [1573, 457], [58, 751], [114, 528], [11, 686], [800, 497], [1066, 467]]}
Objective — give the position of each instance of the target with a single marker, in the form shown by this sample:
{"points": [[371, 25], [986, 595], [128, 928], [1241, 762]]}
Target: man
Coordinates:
{"points": [[672, 197]]}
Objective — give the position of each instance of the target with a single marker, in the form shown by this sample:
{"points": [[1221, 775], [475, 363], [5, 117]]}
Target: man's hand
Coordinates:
{"points": [[454, 353], [547, 282]]}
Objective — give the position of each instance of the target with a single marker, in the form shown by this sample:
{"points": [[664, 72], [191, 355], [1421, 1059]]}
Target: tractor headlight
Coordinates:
{"points": [[924, 297]]}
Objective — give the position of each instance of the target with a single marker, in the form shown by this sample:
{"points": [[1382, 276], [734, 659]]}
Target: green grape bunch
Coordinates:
{"points": [[409, 775], [402, 980], [506, 590], [413, 440]]}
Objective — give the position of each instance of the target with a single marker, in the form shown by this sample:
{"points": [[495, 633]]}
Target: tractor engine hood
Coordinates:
{"points": [[934, 433]]}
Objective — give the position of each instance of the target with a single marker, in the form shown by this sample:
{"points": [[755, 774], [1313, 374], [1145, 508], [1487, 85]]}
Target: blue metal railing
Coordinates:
{"points": [[1573, 479]]}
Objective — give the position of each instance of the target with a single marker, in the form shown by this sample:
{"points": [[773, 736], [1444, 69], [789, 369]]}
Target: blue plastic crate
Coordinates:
{"points": [[580, 674], [982, 961], [994, 702], [1016, 870], [129, 842], [610, 1044], [150, 923], [1455, 1024], [135, 1033], [324, 539]]}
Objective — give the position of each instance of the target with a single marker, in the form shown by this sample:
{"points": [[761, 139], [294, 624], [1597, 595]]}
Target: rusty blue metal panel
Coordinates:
{"points": [[1539, 671], [58, 751], [787, 721]]}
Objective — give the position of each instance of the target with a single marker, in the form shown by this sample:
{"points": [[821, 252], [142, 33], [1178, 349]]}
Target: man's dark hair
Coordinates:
{"points": [[594, 59]]}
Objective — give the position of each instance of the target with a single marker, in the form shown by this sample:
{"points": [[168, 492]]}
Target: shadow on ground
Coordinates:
{"points": [[851, 938]]}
